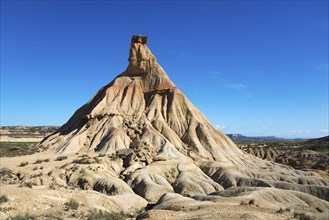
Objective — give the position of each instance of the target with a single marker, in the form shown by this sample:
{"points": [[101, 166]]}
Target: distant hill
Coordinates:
{"points": [[318, 144], [240, 137], [25, 133], [321, 140]]}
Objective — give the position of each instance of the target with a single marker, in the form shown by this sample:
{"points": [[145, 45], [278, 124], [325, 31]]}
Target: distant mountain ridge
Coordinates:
{"points": [[25, 133], [240, 137], [21, 130], [321, 140]]}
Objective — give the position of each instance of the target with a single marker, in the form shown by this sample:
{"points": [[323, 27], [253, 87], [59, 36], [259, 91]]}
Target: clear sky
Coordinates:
{"points": [[252, 67]]}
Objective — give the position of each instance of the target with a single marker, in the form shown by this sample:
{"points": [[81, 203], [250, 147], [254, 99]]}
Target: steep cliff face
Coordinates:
{"points": [[165, 144]]}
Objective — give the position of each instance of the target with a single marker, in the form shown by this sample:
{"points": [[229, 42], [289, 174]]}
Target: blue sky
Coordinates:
{"points": [[252, 67]]}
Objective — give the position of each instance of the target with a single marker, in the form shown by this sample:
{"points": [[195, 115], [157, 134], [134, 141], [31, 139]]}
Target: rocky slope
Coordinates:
{"points": [[139, 139]]}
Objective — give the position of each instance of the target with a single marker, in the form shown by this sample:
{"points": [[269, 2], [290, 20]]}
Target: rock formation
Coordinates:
{"points": [[157, 145]]}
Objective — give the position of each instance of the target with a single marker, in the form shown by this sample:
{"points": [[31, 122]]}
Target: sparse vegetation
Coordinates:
{"points": [[250, 202], [97, 160], [27, 216], [38, 161], [23, 164], [7, 176], [60, 158], [300, 154], [12, 149], [27, 131], [302, 216], [83, 160], [52, 186], [72, 204], [27, 184], [104, 215], [55, 216], [3, 199], [282, 210], [320, 147], [5, 172]]}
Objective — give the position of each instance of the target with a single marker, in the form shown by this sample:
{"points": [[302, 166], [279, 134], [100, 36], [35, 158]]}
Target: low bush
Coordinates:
{"points": [[23, 164], [38, 161], [27, 184], [72, 204], [5, 172], [104, 215], [23, 217], [83, 160], [250, 202], [302, 216], [54, 216], [60, 158], [3, 199], [97, 160]]}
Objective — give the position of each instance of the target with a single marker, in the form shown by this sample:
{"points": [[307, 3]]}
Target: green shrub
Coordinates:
{"points": [[72, 204], [27, 184], [104, 215], [3, 199], [38, 161], [97, 160], [83, 160], [4, 172], [60, 158], [302, 216], [54, 216], [23, 164]]}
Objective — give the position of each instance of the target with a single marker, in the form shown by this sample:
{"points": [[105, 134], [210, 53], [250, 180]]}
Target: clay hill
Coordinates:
{"points": [[139, 147]]}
